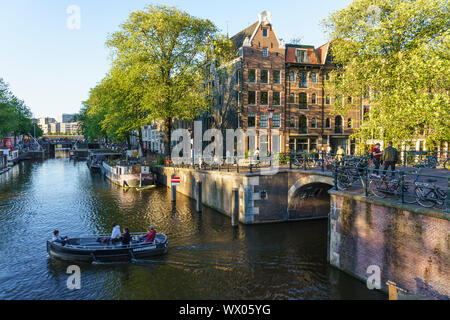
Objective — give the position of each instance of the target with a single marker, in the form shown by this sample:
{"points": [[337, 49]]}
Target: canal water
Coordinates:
{"points": [[207, 258]]}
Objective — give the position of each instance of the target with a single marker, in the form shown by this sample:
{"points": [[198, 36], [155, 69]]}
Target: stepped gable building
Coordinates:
{"points": [[272, 86]]}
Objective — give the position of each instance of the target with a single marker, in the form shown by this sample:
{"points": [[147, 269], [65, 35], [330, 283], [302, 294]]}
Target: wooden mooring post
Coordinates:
{"points": [[198, 196], [235, 207]]}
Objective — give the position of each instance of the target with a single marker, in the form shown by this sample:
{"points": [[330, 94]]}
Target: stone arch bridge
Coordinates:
{"points": [[288, 194]]}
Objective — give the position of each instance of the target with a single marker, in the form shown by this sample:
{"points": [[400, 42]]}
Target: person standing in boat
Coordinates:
{"points": [[150, 236], [58, 239]]}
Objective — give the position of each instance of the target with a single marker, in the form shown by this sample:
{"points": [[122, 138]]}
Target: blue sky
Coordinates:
{"points": [[52, 67]]}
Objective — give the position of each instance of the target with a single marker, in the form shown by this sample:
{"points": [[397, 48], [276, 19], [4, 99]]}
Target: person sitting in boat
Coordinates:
{"points": [[58, 239], [126, 237], [150, 236], [115, 235]]}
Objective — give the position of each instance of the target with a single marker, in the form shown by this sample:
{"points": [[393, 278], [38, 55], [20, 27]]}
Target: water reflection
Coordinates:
{"points": [[207, 258]]}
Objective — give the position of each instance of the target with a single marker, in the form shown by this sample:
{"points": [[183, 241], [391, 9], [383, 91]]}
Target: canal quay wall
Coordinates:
{"points": [[409, 244], [262, 198]]}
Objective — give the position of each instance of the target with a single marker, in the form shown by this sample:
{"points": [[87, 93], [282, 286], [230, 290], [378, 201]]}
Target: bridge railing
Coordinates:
{"points": [[409, 186]]}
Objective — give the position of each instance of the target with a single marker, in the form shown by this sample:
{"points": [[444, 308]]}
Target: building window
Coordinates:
{"points": [[350, 100], [327, 99], [313, 77], [349, 123], [313, 123], [251, 121], [264, 76], [313, 98], [265, 52], [264, 98], [291, 98], [338, 124], [251, 97], [301, 56], [328, 123], [303, 100], [251, 75], [303, 80], [292, 76], [276, 98], [264, 122], [276, 76], [276, 120], [265, 33], [324, 140], [292, 123], [302, 125]]}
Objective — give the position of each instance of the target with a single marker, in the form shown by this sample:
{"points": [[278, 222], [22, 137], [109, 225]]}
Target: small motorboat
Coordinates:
{"points": [[153, 186], [91, 249]]}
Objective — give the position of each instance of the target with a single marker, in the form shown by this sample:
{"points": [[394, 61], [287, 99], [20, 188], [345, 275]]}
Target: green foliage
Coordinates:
{"points": [[399, 52], [15, 116], [158, 58]]}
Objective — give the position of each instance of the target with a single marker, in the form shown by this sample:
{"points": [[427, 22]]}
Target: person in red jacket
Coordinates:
{"points": [[150, 236]]}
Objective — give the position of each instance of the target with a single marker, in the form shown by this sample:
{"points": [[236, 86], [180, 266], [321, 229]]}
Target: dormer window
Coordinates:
{"points": [[265, 33], [301, 56]]}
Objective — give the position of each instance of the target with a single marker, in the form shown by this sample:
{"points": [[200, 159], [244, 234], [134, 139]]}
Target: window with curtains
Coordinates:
{"points": [[276, 120], [264, 122]]}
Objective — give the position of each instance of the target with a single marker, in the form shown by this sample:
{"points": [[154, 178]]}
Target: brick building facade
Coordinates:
{"points": [[273, 86]]}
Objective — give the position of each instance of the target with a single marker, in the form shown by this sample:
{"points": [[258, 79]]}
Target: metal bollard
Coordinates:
{"points": [[199, 196], [174, 193], [235, 207], [402, 186]]}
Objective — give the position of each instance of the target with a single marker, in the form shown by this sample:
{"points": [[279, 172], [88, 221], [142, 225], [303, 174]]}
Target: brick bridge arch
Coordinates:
{"points": [[308, 197]]}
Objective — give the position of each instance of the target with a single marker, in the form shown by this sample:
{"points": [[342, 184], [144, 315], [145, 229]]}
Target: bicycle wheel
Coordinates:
{"points": [[343, 181], [425, 197], [298, 162], [447, 165], [376, 188]]}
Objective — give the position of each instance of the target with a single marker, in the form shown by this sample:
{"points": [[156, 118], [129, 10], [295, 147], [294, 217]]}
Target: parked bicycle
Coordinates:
{"points": [[381, 186], [429, 195], [347, 176], [428, 162]]}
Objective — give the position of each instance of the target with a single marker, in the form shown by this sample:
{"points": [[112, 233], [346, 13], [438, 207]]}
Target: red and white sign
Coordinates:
{"points": [[176, 181]]}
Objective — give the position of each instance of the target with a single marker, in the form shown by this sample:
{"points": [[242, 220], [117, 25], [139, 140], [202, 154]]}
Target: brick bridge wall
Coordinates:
{"points": [[411, 245], [279, 189]]}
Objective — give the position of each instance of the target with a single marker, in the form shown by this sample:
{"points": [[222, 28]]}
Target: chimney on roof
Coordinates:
{"points": [[265, 17]]}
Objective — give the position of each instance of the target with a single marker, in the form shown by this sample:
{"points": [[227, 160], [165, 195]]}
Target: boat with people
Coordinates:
{"points": [[128, 174], [92, 249]]}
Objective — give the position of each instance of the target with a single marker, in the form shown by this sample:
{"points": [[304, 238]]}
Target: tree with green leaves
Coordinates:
{"points": [[15, 116], [398, 51], [162, 52]]}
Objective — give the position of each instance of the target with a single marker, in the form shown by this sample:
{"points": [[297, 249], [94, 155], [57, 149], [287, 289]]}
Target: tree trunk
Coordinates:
{"points": [[141, 143], [167, 133], [128, 142]]}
